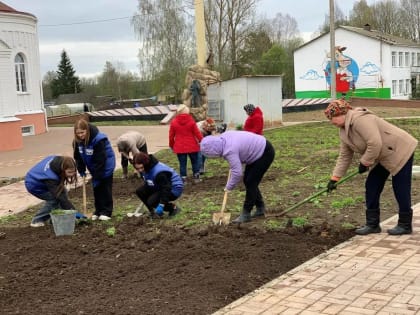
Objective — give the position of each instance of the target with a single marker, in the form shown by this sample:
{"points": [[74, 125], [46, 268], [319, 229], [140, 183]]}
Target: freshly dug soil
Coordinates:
{"points": [[147, 268]]}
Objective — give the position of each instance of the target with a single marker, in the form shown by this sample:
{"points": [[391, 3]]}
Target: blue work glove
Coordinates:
{"points": [[159, 209], [363, 168]]}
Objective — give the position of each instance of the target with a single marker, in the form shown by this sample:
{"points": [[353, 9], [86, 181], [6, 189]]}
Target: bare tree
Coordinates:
{"points": [[387, 18], [164, 30], [283, 28], [411, 17], [227, 24]]}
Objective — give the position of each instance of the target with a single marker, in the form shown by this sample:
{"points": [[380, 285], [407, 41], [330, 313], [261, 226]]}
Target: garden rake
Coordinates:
{"points": [[137, 213], [316, 194], [221, 217]]}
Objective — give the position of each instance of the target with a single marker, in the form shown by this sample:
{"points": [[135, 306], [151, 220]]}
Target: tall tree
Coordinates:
{"points": [[164, 29], [387, 15], [66, 82], [256, 44], [339, 19], [228, 23], [411, 17], [283, 28], [361, 14]]}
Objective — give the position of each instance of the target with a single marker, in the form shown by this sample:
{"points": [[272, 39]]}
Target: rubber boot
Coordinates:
{"points": [[197, 178], [125, 172], [260, 212], [244, 217], [404, 224], [372, 223]]}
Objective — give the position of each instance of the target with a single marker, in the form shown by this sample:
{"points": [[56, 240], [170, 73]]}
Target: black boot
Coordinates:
{"points": [[125, 172], [244, 217], [404, 224], [260, 212], [372, 223]]}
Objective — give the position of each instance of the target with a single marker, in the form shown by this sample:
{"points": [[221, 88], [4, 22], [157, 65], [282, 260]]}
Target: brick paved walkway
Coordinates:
{"points": [[375, 274]]}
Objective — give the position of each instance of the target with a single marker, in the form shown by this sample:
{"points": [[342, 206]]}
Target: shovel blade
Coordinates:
{"points": [[220, 218]]}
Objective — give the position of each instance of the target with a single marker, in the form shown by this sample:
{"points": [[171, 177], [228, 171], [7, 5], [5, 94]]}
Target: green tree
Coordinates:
{"points": [[255, 45], [65, 82]]}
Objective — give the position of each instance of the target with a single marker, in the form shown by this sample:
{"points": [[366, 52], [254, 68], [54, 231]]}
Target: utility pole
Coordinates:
{"points": [[332, 52], [200, 32]]}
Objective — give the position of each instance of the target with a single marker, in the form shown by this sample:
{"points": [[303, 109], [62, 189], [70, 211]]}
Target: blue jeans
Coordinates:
{"points": [[195, 163], [51, 203]]}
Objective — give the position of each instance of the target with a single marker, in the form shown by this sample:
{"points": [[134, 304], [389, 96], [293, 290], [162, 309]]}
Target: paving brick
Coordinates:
{"points": [[333, 309], [356, 310]]}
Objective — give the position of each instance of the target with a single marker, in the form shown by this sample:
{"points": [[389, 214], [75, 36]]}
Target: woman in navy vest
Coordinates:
{"points": [[92, 150], [46, 181], [162, 185]]}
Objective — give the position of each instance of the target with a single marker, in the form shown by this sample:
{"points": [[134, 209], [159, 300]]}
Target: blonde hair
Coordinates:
{"points": [[83, 125]]}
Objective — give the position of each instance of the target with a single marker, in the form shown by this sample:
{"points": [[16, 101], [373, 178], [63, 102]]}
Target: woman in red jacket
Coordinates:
{"points": [[255, 121], [184, 140]]}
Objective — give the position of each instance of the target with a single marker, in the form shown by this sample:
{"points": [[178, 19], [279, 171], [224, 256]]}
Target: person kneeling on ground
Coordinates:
{"points": [[46, 181], [162, 185], [243, 147]]}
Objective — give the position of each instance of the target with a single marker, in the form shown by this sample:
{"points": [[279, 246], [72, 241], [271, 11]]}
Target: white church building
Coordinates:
{"points": [[21, 102]]}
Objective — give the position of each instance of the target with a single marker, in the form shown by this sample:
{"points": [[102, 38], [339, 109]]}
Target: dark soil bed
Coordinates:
{"points": [[146, 268]]}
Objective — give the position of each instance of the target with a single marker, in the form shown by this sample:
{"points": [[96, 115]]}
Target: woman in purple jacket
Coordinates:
{"points": [[237, 148]]}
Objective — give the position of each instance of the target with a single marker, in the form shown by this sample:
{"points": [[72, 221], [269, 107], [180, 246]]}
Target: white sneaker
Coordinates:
{"points": [[37, 224], [104, 217], [94, 217]]}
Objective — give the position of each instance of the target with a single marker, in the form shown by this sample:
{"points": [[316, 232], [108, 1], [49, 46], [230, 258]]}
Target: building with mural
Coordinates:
{"points": [[21, 105], [368, 64]]}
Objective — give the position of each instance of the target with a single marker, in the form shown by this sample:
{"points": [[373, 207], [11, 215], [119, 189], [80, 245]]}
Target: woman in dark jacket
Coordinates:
{"points": [[46, 181], [92, 150], [161, 185]]}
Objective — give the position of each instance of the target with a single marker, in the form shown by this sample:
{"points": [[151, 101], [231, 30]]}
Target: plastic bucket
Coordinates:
{"points": [[64, 222]]}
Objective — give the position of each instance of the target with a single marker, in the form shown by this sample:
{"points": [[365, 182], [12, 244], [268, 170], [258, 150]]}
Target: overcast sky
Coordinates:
{"points": [[100, 30]]}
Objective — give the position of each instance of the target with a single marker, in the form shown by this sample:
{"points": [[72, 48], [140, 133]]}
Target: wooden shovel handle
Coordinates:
{"points": [[84, 195], [225, 196]]}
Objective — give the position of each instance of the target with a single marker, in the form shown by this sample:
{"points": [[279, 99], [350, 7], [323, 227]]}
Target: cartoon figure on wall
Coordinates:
{"points": [[347, 72]]}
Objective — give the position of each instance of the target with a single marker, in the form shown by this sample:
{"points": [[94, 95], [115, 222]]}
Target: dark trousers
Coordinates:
{"points": [[124, 160], [151, 197], [401, 184], [102, 192], [252, 177]]}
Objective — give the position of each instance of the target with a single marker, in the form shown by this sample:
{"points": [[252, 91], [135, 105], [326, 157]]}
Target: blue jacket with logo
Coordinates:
{"points": [[97, 156], [155, 180]]}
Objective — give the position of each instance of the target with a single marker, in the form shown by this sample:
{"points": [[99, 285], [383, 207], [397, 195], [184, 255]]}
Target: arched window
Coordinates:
{"points": [[20, 73]]}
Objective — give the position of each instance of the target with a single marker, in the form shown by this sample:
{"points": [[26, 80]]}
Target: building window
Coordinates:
{"points": [[394, 59], [407, 59], [394, 87], [413, 59], [418, 59], [28, 130], [407, 86], [400, 87], [400, 59], [20, 73]]}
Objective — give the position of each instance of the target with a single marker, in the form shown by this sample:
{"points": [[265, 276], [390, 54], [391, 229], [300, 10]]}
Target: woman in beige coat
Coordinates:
{"points": [[385, 149]]}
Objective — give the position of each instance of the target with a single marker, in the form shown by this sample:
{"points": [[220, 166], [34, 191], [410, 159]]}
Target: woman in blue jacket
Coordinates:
{"points": [[46, 181], [162, 185], [92, 150]]}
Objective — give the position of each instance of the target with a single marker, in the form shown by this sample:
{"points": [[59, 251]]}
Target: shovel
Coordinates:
{"points": [[221, 217], [317, 194], [88, 215]]}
